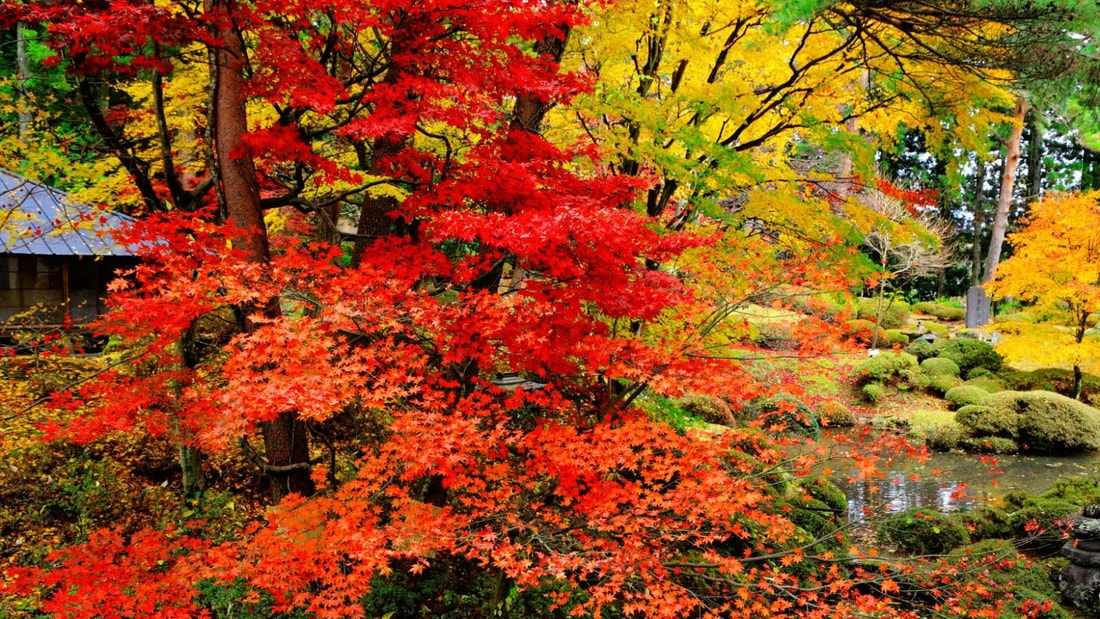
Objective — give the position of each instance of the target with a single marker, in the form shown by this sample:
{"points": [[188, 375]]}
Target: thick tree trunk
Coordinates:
{"points": [[285, 437], [375, 221], [1008, 183]]}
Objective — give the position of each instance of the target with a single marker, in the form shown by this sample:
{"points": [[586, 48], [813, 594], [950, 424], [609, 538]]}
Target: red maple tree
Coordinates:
{"points": [[497, 254]]}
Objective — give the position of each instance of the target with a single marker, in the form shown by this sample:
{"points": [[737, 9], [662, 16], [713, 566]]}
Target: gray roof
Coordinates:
{"points": [[38, 220]]}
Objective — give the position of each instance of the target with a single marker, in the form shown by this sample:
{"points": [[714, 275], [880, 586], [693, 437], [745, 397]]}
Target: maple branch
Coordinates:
{"points": [[255, 458], [79, 381], [135, 165]]}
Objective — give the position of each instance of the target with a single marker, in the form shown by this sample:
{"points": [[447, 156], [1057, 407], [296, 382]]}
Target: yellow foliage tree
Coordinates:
{"points": [[1055, 265]]}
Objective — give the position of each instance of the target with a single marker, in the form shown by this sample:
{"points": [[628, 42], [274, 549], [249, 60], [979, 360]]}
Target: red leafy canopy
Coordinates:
{"points": [[568, 483]]}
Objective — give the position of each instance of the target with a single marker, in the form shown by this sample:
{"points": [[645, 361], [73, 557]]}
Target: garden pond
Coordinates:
{"points": [[949, 482]]}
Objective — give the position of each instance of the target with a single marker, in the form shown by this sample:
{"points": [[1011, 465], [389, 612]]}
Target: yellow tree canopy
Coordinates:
{"points": [[1056, 259]]}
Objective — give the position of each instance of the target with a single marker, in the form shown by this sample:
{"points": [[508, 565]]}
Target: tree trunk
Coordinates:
{"points": [[1008, 182], [1034, 158], [23, 68], [978, 204], [1090, 175], [285, 437], [1078, 380], [375, 221]]}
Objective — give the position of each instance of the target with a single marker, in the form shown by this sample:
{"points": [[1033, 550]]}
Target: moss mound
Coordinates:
{"points": [[884, 367], [991, 384], [1053, 379], [894, 313], [986, 523], [859, 329], [1077, 490], [827, 492], [942, 437], [892, 337], [989, 445], [1049, 422], [941, 311], [965, 395], [923, 532], [873, 392], [969, 354], [940, 366], [988, 421], [940, 385], [1042, 523], [835, 414]]}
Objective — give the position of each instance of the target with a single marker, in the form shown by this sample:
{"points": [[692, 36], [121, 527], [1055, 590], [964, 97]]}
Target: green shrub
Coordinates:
{"points": [[988, 421], [1049, 422], [1015, 500], [943, 312], [1014, 317], [938, 329], [940, 366], [239, 600], [1053, 379], [894, 313], [988, 383], [914, 378], [1077, 490], [942, 384], [1042, 523], [942, 437], [924, 350], [874, 392], [988, 445], [884, 367], [970, 353], [924, 307], [836, 414], [923, 531], [965, 395], [892, 337], [980, 372]]}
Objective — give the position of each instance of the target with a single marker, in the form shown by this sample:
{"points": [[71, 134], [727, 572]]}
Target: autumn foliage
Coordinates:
{"points": [[481, 248]]}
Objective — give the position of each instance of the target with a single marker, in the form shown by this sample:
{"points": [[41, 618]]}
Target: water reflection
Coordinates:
{"points": [[950, 482], [900, 492]]}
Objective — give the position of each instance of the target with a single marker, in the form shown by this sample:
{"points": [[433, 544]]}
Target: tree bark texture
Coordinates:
{"points": [[978, 205], [286, 441], [1008, 183]]}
